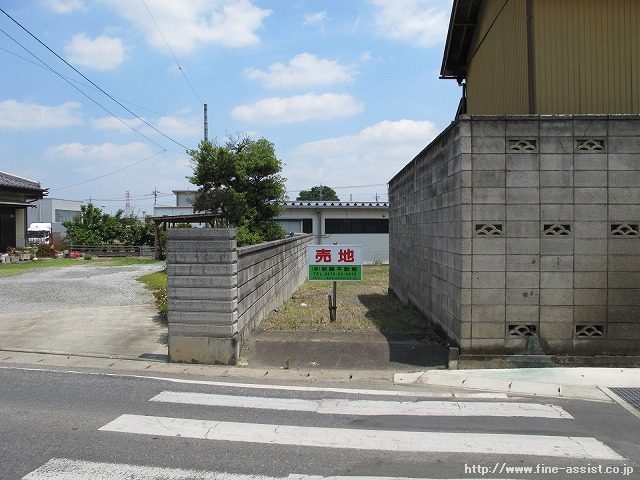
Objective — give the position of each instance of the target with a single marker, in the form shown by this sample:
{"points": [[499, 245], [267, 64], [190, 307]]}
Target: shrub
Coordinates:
{"points": [[245, 237], [162, 305]]}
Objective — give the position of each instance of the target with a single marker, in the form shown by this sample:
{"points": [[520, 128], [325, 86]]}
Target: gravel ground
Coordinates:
{"points": [[84, 286]]}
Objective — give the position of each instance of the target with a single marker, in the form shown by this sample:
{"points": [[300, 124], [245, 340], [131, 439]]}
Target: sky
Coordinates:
{"points": [[101, 99]]}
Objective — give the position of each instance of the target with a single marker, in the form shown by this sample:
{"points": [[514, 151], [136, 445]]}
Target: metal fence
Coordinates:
{"points": [[114, 250]]}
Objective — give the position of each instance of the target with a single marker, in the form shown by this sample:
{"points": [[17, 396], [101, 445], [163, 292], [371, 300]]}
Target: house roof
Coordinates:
{"points": [[338, 204], [15, 182], [462, 25]]}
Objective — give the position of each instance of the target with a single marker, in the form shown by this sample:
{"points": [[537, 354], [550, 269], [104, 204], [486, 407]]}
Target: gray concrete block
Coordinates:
{"points": [[622, 262], [488, 212], [589, 128], [624, 314], [556, 263], [624, 196], [590, 296], [488, 161], [559, 280], [523, 229], [622, 331], [488, 263], [522, 296], [624, 178], [556, 178], [202, 293], [556, 246], [525, 128], [522, 314], [624, 296], [555, 144], [491, 246], [628, 144], [523, 195], [590, 279], [488, 178], [583, 314], [556, 161], [485, 330], [556, 213], [590, 178], [556, 126], [591, 195], [624, 246], [488, 280], [523, 280], [487, 195], [488, 127], [174, 258], [623, 161], [523, 246], [589, 246], [523, 212], [624, 280], [591, 161], [624, 213], [523, 178], [556, 296], [594, 230], [487, 313], [523, 263], [206, 350], [488, 296], [556, 331], [523, 161], [555, 195], [488, 145], [590, 263]]}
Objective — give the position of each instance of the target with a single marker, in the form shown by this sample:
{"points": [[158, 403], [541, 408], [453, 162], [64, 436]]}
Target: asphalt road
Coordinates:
{"points": [[55, 421]]}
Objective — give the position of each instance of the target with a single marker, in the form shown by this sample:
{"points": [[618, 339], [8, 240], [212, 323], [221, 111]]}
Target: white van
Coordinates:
{"points": [[38, 233]]}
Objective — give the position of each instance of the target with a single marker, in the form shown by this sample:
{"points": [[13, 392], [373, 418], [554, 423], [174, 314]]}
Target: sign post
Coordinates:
{"points": [[337, 263]]}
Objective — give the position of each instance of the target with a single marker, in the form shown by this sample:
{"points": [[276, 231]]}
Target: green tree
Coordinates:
{"points": [[320, 193], [93, 227], [241, 181]]}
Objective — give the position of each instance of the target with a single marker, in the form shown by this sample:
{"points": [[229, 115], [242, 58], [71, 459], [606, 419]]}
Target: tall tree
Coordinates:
{"points": [[240, 180], [319, 193]]}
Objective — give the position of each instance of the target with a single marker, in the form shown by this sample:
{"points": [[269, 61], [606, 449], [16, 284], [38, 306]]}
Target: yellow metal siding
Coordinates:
{"points": [[497, 70], [586, 56]]}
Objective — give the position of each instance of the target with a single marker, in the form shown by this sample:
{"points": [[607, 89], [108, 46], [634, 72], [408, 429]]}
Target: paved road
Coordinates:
{"points": [[95, 426]]}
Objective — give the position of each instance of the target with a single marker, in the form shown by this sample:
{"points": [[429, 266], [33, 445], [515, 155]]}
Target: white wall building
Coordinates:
{"points": [[54, 211], [342, 223]]}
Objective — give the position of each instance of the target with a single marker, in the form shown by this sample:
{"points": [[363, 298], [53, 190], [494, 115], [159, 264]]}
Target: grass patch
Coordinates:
{"points": [[157, 283], [16, 268], [362, 306]]}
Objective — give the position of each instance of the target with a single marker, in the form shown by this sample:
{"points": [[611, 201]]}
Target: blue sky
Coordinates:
{"points": [[347, 90]]}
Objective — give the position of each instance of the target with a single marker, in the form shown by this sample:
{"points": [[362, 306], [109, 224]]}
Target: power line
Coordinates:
{"points": [[107, 174], [91, 82], [171, 51], [39, 65]]}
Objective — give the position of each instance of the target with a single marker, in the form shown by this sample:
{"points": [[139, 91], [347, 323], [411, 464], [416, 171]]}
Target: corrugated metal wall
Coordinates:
{"points": [[497, 73], [587, 56]]}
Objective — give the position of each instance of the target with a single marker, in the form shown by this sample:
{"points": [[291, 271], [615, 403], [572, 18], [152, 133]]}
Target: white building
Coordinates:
{"points": [[54, 211], [342, 223]]}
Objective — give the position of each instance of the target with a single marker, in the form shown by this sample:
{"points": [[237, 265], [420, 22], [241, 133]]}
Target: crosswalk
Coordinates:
{"points": [[583, 448]]}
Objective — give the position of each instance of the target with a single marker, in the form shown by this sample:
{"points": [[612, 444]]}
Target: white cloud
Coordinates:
{"points": [[188, 24], [422, 23], [101, 53], [107, 155], [303, 70], [31, 116], [63, 6], [372, 156], [315, 18], [299, 108], [170, 126], [112, 123]]}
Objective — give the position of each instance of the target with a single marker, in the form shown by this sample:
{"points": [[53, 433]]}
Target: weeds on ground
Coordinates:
{"points": [[362, 306], [16, 268], [157, 283]]}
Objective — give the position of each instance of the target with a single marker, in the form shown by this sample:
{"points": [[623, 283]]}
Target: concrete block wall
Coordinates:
{"points": [[426, 249], [549, 231], [217, 295]]}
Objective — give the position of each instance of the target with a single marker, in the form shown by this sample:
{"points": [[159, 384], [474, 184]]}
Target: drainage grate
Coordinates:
{"points": [[629, 395]]}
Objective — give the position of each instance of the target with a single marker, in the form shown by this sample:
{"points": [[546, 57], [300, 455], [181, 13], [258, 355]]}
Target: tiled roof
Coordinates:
{"points": [[314, 203], [11, 181]]}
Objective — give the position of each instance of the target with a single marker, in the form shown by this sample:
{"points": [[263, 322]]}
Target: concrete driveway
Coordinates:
{"points": [[82, 310]]}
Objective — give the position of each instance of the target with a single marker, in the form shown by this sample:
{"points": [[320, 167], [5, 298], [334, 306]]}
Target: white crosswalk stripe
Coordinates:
{"points": [[62, 468], [370, 408], [345, 439]]}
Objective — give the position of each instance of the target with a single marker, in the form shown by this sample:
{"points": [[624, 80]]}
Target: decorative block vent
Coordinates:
{"points": [[556, 229], [589, 331], [589, 145], [625, 230], [520, 330], [489, 229], [523, 145]]}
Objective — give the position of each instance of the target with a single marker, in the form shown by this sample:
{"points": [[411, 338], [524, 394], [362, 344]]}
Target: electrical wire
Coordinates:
{"points": [[171, 51], [91, 82]]}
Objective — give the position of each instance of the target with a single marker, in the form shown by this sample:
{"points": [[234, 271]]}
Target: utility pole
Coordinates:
{"points": [[155, 195], [206, 124]]}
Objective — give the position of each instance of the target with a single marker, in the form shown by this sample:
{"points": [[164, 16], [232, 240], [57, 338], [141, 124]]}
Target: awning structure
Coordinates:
{"points": [[167, 221], [16, 204], [464, 16]]}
